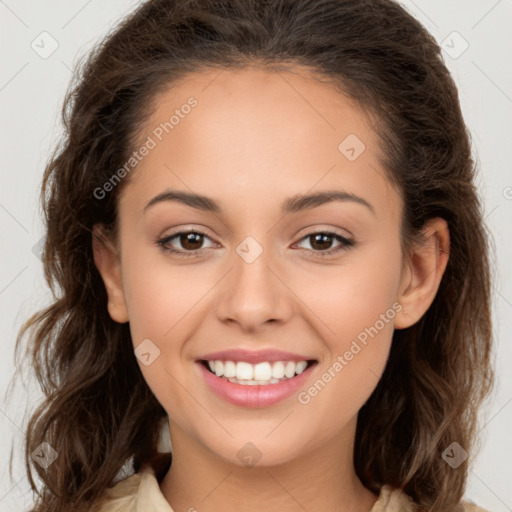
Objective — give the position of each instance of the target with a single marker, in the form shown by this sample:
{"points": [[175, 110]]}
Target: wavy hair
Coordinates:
{"points": [[439, 371]]}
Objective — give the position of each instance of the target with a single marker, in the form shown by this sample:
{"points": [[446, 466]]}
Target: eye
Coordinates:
{"points": [[322, 240], [190, 241]]}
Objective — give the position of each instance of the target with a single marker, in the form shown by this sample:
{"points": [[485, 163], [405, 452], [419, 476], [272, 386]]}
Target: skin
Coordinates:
{"points": [[255, 139]]}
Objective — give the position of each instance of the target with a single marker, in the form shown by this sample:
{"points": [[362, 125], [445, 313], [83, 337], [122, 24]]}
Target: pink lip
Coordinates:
{"points": [[257, 396], [253, 357]]}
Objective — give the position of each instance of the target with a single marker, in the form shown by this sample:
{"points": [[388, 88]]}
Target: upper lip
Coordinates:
{"points": [[254, 356]]}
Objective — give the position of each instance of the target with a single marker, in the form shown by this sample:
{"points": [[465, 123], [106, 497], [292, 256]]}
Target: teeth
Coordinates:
{"points": [[261, 373], [278, 370], [301, 366], [219, 368], [289, 369], [243, 371], [254, 382], [229, 369]]}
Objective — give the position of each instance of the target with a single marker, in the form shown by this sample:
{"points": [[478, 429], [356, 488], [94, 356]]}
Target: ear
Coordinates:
{"points": [[107, 261], [422, 273]]}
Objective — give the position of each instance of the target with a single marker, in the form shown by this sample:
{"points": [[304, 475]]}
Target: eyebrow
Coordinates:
{"points": [[296, 203]]}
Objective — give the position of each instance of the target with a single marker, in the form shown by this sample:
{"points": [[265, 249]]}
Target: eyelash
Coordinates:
{"points": [[162, 243]]}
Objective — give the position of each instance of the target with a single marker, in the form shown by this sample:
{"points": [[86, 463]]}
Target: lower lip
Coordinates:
{"points": [[256, 396]]}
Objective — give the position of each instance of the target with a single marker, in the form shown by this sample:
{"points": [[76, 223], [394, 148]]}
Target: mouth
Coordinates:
{"points": [[259, 384], [255, 378], [264, 373]]}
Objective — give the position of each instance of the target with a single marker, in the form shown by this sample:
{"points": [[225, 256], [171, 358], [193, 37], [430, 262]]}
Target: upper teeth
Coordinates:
{"points": [[261, 371]]}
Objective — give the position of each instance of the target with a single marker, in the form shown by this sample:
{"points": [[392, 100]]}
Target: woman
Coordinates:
{"points": [[263, 232]]}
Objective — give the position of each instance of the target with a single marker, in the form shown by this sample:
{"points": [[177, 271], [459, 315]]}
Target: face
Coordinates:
{"points": [[255, 268]]}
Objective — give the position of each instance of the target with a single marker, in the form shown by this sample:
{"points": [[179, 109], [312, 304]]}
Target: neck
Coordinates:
{"points": [[322, 479]]}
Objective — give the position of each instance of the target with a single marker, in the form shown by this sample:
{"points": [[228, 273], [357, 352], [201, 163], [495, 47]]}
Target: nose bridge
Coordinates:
{"points": [[252, 294]]}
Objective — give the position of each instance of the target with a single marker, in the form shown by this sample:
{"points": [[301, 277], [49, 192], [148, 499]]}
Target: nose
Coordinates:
{"points": [[254, 295]]}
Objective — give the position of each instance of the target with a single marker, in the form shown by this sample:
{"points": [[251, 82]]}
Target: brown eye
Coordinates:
{"points": [[191, 241], [320, 243], [184, 243]]}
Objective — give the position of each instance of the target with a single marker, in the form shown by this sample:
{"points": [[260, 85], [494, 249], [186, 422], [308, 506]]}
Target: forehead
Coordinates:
{"points": [[259, 131], [286, 98]]}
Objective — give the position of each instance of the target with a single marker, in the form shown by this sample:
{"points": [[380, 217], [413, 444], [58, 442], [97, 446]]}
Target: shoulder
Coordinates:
{"points": [[139, 492], [122, 497], [469, 506], [395, 500]]}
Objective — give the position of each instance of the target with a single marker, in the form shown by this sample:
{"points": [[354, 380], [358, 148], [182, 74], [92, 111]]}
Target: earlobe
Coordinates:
{"points": [[107, 262], [423, 273]]}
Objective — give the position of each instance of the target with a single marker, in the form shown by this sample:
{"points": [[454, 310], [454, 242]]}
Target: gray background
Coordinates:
{"points": [[32, 87]]}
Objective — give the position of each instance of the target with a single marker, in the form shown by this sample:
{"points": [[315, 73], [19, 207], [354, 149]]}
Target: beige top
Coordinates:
{"points": [[141, 493]]}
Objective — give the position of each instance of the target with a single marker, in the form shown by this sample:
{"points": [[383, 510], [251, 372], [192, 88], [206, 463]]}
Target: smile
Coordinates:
{"points": [[255, 385], [263, 373]]}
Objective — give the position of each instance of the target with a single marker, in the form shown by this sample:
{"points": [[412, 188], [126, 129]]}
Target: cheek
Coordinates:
{"points": [[166, 303], [161, 309], [159, 295], [353, 307], [352, 296]]}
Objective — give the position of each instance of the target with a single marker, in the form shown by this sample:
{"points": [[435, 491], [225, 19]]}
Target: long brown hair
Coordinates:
{"points": [[439, 370]]}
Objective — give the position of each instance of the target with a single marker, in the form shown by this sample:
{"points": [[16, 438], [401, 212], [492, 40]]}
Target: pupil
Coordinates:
{"points": [[323, 240], [191, 238]]}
